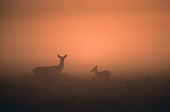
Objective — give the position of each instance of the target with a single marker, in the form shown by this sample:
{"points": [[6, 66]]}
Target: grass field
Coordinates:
{"points": [[65, 93]]}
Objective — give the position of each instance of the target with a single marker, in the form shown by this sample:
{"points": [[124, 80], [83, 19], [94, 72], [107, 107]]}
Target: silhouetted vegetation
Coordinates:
{"points": [[65, 93]]}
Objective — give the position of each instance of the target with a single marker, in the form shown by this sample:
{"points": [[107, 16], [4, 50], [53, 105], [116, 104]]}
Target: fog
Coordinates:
{"points": [[112, 35], [129, 38]]}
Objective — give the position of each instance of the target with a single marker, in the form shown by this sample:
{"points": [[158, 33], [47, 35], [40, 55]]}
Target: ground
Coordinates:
{"points": [[66, 93]]}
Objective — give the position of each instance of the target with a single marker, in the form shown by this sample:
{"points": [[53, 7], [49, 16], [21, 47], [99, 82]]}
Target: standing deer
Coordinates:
{"points": [[49, 72], [103, 75]]}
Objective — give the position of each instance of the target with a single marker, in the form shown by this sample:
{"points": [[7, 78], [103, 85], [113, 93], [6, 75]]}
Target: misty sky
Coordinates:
{"points": [[107, 33]]}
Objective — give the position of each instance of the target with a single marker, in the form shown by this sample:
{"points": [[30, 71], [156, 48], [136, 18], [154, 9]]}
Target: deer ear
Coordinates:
{"points": [[65, 56], [59, 56]]}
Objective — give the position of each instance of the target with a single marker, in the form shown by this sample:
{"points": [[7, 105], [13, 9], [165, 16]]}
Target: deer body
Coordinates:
{"points": [[49, 72], [103, 75]]}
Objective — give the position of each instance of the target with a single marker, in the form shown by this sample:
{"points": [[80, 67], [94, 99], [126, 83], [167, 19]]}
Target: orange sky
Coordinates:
{"points": [[107, 33]]}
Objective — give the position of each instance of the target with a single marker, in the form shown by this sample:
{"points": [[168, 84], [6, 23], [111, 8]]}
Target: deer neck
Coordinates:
{"points": [[96, 71], [61, 64]]}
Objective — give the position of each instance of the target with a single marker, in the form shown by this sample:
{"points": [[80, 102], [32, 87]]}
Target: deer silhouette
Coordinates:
{"points": [[103, 75], [49, 72]]}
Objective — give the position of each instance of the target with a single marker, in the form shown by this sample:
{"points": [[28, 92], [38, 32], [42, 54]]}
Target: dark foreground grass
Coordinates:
{"points": [[71, 94]]}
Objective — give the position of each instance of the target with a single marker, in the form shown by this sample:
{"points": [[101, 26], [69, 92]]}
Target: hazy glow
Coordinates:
{"points": [[105, 33]]}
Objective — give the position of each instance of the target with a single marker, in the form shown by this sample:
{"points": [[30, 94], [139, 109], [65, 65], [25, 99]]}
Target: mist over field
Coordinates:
{"points": [[65, 93], [117, 34], [84, 56]]}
